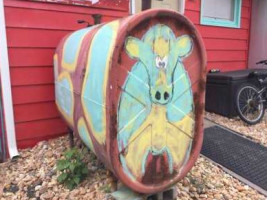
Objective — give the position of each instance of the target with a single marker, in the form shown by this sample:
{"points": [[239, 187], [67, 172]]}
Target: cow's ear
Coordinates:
{"points": [[133, 47], [183, 46], [136, 48]]}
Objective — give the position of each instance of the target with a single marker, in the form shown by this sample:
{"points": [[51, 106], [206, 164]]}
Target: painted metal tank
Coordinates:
{"points": [[133, 90]]}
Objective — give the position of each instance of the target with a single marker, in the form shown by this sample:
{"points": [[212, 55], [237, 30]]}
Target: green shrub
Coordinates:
{"points": [[72, 169]]}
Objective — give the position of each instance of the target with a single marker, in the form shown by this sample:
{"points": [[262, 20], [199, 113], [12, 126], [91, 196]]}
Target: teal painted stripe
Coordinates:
{"points": [[182, 98], [72, 44], [125, 168], [224, 23], [85, 137], [135, 97], [93, 91], [63, 95]]}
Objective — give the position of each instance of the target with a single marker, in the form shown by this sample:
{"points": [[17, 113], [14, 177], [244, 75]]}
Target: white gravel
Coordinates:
{"points": [[257, 132], [33, 176]]}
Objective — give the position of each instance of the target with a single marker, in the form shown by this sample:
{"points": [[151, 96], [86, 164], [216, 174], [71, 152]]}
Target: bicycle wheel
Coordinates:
{"points": [[249, 104]]}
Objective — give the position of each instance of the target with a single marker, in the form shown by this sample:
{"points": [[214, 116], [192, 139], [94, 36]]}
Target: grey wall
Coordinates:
{"points": [[258, 34]]}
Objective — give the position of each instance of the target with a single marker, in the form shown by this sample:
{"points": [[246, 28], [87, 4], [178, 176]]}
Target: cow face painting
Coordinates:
{"points": [[155, 111]]}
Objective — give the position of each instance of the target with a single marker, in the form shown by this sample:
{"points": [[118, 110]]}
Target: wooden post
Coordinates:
{"points": [[146, 4]]}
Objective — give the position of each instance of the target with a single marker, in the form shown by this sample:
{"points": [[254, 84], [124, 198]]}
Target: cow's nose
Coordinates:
{"points": [[158, 95], [162, 97], [166, 95]]}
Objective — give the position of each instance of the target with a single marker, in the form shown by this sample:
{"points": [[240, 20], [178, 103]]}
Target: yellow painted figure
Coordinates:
{"points": [[156, 105], [155, 112]]}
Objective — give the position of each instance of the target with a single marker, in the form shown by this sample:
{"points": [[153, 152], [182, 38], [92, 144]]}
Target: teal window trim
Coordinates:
{"points": [[220, 22]]}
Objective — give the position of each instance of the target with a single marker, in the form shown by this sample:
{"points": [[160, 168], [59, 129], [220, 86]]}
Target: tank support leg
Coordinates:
{"points": [[169, 194], [112, 181], [124, 192], [71, 137]]}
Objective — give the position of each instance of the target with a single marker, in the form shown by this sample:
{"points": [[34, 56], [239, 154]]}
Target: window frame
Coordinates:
{"points": [[236, 23]]}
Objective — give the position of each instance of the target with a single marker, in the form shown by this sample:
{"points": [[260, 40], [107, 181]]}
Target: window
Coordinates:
{"points": [[225, 13], [139, 5]]}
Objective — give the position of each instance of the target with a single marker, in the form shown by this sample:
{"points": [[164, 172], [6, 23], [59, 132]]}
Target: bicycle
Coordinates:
{"points": [[251, 99]]}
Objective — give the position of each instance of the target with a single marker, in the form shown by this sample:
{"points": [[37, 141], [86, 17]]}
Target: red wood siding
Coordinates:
{"points": [[227, 48], [110, 4], [33, 31]]}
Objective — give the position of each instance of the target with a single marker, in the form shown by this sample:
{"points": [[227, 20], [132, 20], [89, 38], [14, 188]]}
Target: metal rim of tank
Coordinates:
{"points": [[112, 146]]}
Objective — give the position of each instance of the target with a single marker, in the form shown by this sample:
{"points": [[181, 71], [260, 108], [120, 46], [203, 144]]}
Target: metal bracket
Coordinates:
{"points": [[97, 20], [71, 137]]}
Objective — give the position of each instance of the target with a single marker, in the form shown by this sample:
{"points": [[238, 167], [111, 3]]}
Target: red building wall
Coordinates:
{"points": [[227, 48], [33, 31]]}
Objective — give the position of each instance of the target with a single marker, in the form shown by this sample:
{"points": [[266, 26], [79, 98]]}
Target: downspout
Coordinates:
{"points": [[6, 88], [132, 7], [181, 6], [249, 34], [2, 131]]}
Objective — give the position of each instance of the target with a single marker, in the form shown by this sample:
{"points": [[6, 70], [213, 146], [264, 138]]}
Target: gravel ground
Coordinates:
{"points": [[257, 133], [33, 176]]}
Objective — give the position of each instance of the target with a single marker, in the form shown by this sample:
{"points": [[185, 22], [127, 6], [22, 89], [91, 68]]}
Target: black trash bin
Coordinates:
{"points": [[221, 90]]}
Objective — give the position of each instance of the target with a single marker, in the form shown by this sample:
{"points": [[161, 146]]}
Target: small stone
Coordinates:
{"points": [[186, 182], [210, 186], [47, 195], [93, 168], [227, 196], [218, 196], [63, 195], [196, 194], [240, 188], [43, 189], [38, 187], [192, 189], [52, 183], [21, 176], [203, 196], [7, 194], [27, 178], [38, 182], [49, 154], [82, 191], [219, 185], [55, 189], [75, 192], [225, 182]]}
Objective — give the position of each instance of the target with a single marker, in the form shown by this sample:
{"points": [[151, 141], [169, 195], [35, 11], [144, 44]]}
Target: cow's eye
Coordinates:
{"points": [[161, 63]]}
